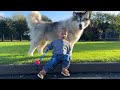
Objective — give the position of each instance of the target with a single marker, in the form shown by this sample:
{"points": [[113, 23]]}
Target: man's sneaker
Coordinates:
{"points": [[65, 72]]}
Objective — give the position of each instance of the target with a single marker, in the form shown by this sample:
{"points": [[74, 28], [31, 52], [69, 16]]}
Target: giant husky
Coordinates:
{"points": [[41, 32]]}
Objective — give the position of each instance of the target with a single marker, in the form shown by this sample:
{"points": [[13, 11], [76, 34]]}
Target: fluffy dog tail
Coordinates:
{"points": [[33, 18]]}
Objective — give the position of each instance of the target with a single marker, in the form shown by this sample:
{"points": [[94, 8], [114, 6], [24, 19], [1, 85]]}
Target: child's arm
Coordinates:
{"points": [[49, 46], [46, 49]]}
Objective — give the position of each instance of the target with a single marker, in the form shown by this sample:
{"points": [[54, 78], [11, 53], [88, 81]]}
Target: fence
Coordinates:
{"points": [[19, 37]]}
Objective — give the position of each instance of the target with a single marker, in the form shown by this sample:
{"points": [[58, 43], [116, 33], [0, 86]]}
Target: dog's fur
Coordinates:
{"points": [[41, 32]]}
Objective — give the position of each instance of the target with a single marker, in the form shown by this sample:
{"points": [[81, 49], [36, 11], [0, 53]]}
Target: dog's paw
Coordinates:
{"points": [[28, 54]]}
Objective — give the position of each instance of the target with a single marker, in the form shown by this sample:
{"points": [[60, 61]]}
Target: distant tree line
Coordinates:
{"points": [[100, 28], [14, 28]]}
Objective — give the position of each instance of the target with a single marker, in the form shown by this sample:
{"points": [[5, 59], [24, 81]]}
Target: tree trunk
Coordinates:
{"points": [[3, 37], [20, 37], [11, 37]]}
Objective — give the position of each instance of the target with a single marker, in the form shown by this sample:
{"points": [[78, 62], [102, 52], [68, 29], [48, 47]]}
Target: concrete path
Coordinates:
{"points": [[78, 71]]}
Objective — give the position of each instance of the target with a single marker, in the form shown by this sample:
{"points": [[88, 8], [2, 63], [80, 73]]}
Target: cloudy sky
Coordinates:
{"points": [[53, 15]]}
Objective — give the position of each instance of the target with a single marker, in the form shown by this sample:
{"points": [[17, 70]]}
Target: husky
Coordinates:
{"points": [[42, 32]]}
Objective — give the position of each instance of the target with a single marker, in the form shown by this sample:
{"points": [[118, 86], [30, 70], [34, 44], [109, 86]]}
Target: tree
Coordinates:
{"points": [[6, 27], [116, 24], [45, 18], [20, 25], [100, 22]]}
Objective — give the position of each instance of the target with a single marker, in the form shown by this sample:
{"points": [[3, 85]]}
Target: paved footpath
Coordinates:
{"points": [[78, 71], [59, 76]]}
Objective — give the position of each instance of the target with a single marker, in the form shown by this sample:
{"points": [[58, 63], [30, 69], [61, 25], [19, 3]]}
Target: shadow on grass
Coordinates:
{"points": [[12, 59], [18, 49]]}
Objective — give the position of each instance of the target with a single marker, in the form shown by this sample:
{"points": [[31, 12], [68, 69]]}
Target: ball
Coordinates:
{"points": [[37, 62]]}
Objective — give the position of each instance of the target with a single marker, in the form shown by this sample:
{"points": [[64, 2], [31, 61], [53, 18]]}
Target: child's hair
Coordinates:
{"points": [[62, 29]]}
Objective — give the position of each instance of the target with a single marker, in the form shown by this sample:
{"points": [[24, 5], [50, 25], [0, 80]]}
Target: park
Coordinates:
{"points": [[100, 42]]}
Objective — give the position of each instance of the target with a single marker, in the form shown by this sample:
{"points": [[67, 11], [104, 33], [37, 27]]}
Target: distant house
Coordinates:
{"points": [[111, 35]]}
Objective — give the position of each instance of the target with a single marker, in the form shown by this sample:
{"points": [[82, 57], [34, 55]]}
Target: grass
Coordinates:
{"points": [[16, 52], [97, 52]]}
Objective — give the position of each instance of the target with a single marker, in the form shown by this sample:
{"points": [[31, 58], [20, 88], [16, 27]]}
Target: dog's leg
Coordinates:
{"points": [[41, 46], [71, 45], [33, 46]]}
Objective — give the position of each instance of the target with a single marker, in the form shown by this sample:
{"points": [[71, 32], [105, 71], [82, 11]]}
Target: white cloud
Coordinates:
{"points": [[2, 14]]}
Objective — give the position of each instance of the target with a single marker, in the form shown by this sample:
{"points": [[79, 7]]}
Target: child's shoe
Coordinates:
{"points": [[41, 74], [65, 72]]}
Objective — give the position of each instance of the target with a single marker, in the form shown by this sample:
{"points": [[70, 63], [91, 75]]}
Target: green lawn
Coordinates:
{"points": [[16, 52]]}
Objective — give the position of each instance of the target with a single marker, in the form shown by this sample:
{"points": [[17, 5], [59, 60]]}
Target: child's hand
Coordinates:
{"points": [[70, 58], [46, 49]]}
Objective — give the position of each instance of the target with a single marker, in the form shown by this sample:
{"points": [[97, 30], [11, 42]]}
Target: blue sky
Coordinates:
{"points": [[53, 15]]}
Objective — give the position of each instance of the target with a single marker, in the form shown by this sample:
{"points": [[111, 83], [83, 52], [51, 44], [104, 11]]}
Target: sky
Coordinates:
{"points": [[53, 15]]}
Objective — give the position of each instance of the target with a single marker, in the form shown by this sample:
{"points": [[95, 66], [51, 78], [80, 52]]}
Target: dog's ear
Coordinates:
{"points": [[74, 14], [87, 14]]}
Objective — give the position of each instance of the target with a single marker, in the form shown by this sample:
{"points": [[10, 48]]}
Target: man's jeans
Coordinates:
{"points": [[64, 59]]}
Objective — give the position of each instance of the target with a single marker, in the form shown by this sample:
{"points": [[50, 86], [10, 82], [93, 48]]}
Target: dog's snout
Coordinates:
{"points": [[80, 26]]}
